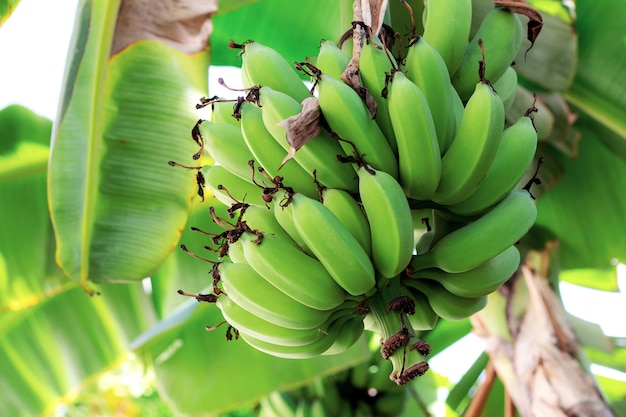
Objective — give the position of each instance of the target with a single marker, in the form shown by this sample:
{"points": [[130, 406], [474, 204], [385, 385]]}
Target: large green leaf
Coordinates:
{"points": [[117, 207], [599, 88], [585, 210], [294, 28], [202, 374], [54, 336]]}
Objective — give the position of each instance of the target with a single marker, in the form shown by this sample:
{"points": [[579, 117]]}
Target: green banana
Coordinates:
{"points": [[318, 408], [447, 305], [427, 69], [303, 408], [222, 112], [264, 66], [319, 154], [482, 280], [269, 154], [247, 322], [475, 243], [501, 33], [348, 116], [224, 142], [262, 218], [391, 222], [514, 155], [217, 177], [350, 214], [473, 149], [283, 213], [374, 64], [293, 272], [424, 317], [447, 25], [348, 335], [506, 87], [252, 292], [316, 348], [331, 59], [332, 243], [282, 403], [419, 156]]}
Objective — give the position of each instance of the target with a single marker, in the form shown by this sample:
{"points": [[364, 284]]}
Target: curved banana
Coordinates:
{"points": [[224, 142], [424, 318], [319, 154], [225, 186], [447, 305], [252, 292], [474, 147], [316, 348], [222, 112], [348, 116], [419, 156], [391, 222], [506, 87], [475, 243], [426, 68], [447, 25], [349, 333], [514, 155], [501, 33], [245, 321], [283, 213], [331, 59], [293, 272], [279, 404], [482, 280], [350, 214], [374, 65], [264, 66], [269, 154], [262, 219], [333, 245]]}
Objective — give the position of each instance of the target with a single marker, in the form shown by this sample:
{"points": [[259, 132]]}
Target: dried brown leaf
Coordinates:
{"points": [[302, 127], [535, 21]]}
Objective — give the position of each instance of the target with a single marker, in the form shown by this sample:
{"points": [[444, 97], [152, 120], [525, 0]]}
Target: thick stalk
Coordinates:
{"points": [[388, 309], [534, 349]]}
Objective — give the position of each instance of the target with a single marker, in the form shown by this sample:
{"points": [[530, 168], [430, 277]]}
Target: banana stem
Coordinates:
{"points": [[389, 309]]}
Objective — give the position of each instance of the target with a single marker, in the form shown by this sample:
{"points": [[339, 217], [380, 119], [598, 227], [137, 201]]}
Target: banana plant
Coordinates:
{"points": [[96, 208]]}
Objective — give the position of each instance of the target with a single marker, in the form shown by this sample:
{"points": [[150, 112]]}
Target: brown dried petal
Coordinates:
{"points": [[303, 126]]}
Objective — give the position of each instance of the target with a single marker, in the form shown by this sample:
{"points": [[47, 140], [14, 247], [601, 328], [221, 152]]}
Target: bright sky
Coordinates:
{"points": [[33, 51]]}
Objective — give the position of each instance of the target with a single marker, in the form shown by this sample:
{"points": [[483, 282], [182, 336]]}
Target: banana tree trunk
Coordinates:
{"points": [[534, 349]]}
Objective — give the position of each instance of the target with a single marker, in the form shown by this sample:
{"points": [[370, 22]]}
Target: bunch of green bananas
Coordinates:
{"points": [[323, 191]]}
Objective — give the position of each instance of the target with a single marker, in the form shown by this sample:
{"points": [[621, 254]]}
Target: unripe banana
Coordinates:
{"points": [[292, 271], [514, 155], [318, 408], [447, 305], [350, 214], [238, 188], [252, 292], [222, 112], [266, 67], [419, 156], [391, 223], [477, 242], [424, 318], [482, 280], [447, 28], [501, 34], [348, 335], [374, 65], [247, 322], [262, 219], [473, 149], [284, 216], [303, 408], [336, 248], [316, 348], [269, 154], [282, 403], [506, 87], [348, 116], [427, 69], [224, 142], [331, 59], [319, 154]]}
